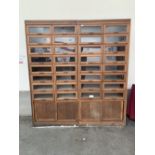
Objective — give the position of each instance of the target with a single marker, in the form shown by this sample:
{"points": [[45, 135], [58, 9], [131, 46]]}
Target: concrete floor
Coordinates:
{"points": [[75, 141]]}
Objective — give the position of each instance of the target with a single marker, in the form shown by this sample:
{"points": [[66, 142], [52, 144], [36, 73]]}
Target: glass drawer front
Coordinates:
{"points": [[115, 68], [90, 68], [65, 59], [40, 50], [90, 86], [42, 78], [115, 95], [39, 30], [91, 49], [113, 86], [90, 39], [115, 39], [66, 78], [90, 95], [42, 87], [91, 59], [115, 59], [40, 40], [91, 77], [43, 96], [65, 69], [91, 29], [68, 40], [119, 77], [41, 69], [61, 96], [41, 59], [65, 50], [116, 28], [64, 29], [118, 48], [66, 87]]}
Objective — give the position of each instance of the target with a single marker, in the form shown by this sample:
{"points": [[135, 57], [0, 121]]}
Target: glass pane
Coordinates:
{"points": [[66, 69], [95, 59], [42, 87], [114, 58], [40, 50], [65, 59], [116, 28], [66, 96], [115, 39], [114, 68], [41, 59], [90, 95], [42, 78], [113, 86], [90, 77], [91, 39], [90, 68], [65, 40], [40, 40], [91, 29], [65, 78], [90, 86], [43, 96], [66, 87], [65, 50], [113, 95], [89, 49], [114, 77], [119, 48], [39, 30], [64, 29], [41, 69]]}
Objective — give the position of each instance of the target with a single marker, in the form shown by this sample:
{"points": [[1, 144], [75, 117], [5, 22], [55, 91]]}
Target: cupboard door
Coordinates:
{"points": [[115, 48], [114, 94], [39, 29], [42, 60], [116, 38], [45, 111], [119, 28], [90, 95], [113, 86], [42, 78], [90, 39], [90, 49], [114, 59], [65, 50], [90, 29], [40, 50], [39, 40], [91, 77], [65, 59], [90, 86], [91, 59], [66, 95], [64, 29], [65, 40], [91, 110], [67, 111], [41, 69], [65, 78], [114, 77], [66, 69], [115, 68], [112, 110], [39, 87]]}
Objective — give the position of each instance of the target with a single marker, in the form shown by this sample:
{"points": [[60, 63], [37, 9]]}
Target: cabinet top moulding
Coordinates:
{"points": [[68, 22]]}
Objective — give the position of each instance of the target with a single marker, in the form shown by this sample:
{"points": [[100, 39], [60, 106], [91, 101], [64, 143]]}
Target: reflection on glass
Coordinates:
{"points": [[65, 40], [113, 86], [91, 59], [89, 49], [65, 59], [91, 39], [66, 87], [90, 95], [90, 77], [40, 30], [64, 29], [90, 29], [41, 59], [115, 95], [115, 58], [114, 77], [114, 68], [66, 96], [115, 48], [113, 39], [40, 40], [90, 68], [65, 50], [90, 86], [40, 50], [65, 78], [42, 87], [67, 69], [42, 78], [41, 69], [116, 28], [43, 96]]}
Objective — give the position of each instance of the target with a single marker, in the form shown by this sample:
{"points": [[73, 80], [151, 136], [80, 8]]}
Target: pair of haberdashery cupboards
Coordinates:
{"points": [[78, 71]]}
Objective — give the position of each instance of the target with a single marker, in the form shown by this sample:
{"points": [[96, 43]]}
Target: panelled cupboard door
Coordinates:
{"points": [[67, 111], [112, 110], [45, 111]]}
